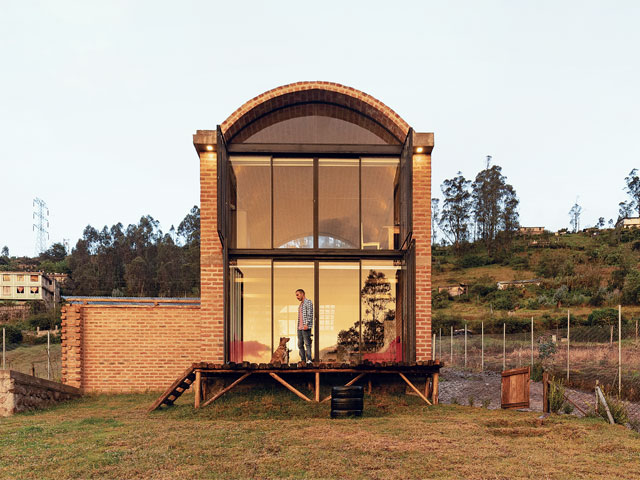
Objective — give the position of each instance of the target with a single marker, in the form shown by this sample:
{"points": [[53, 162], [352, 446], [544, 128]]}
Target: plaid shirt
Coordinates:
{"points": [[307, 313]]}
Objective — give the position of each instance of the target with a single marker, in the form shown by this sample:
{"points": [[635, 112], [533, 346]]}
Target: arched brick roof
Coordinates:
{"points": [[362, 104]]}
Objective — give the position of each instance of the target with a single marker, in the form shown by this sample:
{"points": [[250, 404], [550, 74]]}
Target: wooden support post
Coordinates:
{"points": [[348, 384], [605, 405], [369, 387], [434, 391], [317, 387], [290, 388], [225, 390], [414, 388], [427, 386], [198, 388], [545, 392]]}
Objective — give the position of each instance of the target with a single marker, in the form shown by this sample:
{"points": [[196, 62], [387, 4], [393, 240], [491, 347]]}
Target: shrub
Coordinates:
{"points": [[602, 317], [546, 350], [44, 320], [556, 396], [446, 321], [617, 408], [536, 372], [12, 334], [483, 290], [631, 288], [440, 299], [470, 261], [504, 299]]}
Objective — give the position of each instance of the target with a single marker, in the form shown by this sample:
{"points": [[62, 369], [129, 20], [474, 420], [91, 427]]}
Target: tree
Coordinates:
{"points": [[435, 211], [633, 189], [600, 223], [625, 210], [456, 210], [495, 207], [56, 253], [376, 294], [189, 228], [5, 251], [574, 215]]}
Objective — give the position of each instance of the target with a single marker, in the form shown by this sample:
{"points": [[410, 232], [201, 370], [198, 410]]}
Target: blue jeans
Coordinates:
{"points": [[304, 343]]}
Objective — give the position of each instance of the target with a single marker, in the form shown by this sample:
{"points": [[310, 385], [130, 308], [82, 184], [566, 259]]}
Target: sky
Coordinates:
{"points": [[99, 100]]}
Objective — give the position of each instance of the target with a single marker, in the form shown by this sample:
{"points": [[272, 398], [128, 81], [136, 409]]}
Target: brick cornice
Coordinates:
{"points": [[328, 92]]}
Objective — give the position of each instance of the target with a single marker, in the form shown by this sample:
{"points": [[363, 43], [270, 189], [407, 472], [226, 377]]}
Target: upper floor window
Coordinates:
{"points": [[332, 203]]}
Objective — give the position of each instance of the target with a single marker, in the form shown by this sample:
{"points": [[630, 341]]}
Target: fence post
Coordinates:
{"points": [[49, 354], [433, 347], [568, 337], [504, 346], [531, 343], [440, 345], [452, 345], [3, 350], [482, 346], [545, 392], [465, 345], [619, 351]]}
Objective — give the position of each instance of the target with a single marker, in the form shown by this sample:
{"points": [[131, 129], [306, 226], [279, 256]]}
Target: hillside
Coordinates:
{"points": [[582, 272]]}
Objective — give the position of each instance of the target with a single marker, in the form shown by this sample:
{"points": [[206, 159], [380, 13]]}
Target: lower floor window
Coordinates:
{"points": [[356, 309]]}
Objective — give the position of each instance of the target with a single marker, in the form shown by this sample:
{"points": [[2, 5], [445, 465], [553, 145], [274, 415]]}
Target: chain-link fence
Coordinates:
{"points": [[576, 356], [33, 352]]}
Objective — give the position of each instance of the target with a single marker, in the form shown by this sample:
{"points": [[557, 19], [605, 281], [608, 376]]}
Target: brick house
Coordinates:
{"points": [[312, 186]]}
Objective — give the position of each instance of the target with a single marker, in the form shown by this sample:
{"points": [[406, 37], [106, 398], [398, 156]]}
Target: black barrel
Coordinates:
{"points": [[347, 402]]}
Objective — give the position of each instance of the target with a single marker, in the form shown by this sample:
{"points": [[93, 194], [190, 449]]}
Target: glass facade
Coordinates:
{"points": [[325, 223], [323, 203], [356, 309]]}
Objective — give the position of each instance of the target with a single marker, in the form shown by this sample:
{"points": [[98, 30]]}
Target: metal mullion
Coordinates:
{"points": [[316, 298], [272, 199], [316, 170], [272, 304], [360, 308], [360, 229]]}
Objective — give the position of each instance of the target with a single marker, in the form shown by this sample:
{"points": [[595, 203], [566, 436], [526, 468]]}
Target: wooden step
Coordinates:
{"points": [[177, 388]]}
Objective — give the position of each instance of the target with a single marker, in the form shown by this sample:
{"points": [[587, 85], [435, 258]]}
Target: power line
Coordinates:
{"points": [[39, 227]]}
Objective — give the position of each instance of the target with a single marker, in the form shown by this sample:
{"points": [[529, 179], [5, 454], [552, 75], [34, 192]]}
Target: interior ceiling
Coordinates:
{"points": [[315, 123]]}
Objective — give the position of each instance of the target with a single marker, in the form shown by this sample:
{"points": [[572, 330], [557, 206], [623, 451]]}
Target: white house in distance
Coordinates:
{"points": [[20, 286], [630, 222]]}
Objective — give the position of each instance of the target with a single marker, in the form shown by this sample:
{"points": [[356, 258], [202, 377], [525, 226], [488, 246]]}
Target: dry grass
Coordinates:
{"points": [[270, 434], [24, 358]]}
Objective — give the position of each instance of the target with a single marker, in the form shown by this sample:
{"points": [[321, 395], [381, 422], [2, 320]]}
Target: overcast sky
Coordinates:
{"points": [[98, 100]]}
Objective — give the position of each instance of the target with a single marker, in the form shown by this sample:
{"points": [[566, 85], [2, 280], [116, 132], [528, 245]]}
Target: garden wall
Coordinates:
{"points": [[20, 392], [128, 348]]}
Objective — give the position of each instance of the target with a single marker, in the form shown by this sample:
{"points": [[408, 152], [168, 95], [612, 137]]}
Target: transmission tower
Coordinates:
{"points": [[489, 157], [41, 217]]}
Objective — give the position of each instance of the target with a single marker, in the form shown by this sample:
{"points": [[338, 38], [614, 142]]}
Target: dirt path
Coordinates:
{"points": [[483, 389]]}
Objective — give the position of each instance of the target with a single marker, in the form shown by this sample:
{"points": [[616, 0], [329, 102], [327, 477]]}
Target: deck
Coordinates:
{"points": [[197, 374]]}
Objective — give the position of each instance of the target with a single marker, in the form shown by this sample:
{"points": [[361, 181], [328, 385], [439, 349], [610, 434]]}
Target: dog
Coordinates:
{"points": [[281, 355]]}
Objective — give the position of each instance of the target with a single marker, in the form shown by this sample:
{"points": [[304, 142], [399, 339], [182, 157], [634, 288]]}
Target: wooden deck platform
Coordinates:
{"points": [[194, 376]]}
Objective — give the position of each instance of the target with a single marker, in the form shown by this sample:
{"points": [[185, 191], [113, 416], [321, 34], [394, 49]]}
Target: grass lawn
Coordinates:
{"points": [[271, 434]]}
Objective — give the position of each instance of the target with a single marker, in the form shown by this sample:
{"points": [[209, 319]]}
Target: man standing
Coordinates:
{"points": [[305, 324]]}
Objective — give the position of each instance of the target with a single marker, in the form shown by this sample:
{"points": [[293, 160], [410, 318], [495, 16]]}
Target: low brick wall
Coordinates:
{"points": [[127, 347], [20, 392]]}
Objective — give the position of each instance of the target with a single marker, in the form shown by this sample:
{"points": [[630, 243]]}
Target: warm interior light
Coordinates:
{"points": [[419, 149], [210, 148]]}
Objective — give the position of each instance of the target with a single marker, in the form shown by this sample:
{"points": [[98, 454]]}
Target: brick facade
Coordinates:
{"points": [[422, 236], [121, 348]]}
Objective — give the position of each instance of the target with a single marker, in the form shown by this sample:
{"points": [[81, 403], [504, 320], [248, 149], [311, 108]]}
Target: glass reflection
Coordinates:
{"points": [[251, 201], [338, 311], [338, 202], [287, 278], [379, 231], [293, 203], [250, 311], [381, 327]]}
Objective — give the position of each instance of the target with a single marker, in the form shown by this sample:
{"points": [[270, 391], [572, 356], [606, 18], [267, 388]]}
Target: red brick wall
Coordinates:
{"points": [[211, 275], [135, 348], [422, 236]]}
